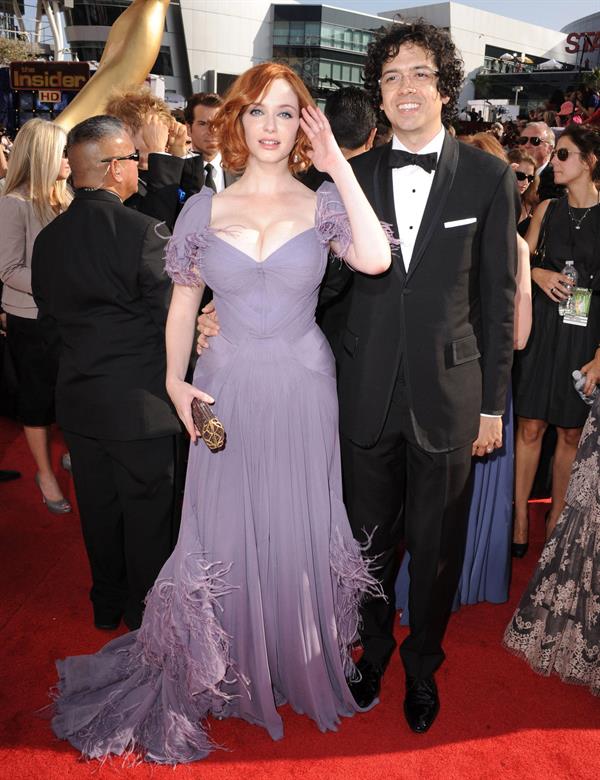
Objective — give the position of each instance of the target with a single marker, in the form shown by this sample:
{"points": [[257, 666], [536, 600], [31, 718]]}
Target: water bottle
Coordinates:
{"points": [[579, 382], [570, 271]]}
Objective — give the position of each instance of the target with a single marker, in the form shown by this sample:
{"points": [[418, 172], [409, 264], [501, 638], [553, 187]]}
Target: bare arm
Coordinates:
{"points": [[370, 250], [523, 316], [179, 338], [533, 231]]}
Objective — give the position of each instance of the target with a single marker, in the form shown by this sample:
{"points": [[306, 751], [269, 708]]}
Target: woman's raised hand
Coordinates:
{"points": [[326, 154]]}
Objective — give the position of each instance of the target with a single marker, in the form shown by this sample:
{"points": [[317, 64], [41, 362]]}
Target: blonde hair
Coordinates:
{"points": [[34, 166], [133, 107]]}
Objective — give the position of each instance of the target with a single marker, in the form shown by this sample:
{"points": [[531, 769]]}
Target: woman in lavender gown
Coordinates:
{"points": [[258, 605]]}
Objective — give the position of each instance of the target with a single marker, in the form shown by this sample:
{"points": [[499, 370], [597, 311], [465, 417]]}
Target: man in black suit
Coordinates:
{"points": [[537, 139], [200, 110], [424, 359], [98, 271]]}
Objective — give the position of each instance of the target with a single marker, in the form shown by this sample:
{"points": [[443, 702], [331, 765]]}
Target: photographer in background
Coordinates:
{"points": [[167, 176]]}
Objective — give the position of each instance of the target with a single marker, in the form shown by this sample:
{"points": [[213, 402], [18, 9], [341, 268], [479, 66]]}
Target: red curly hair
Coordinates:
{"points": [[246, 90]]}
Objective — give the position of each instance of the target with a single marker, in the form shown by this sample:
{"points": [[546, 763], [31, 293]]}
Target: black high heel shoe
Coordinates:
{"points": [[519, 550]]}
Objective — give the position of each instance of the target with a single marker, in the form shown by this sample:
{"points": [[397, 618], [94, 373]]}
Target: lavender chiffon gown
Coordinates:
{"points": [[259, 603]]}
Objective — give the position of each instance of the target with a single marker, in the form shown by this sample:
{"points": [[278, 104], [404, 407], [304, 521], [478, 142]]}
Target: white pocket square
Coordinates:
{"points": [[459, 222]]}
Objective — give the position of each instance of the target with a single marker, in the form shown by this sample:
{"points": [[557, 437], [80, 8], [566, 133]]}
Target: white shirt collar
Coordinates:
{"points": [[215, 162], [435, 145]]}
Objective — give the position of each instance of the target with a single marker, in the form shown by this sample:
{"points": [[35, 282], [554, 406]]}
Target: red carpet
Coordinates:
{"points": [[498, 719]]}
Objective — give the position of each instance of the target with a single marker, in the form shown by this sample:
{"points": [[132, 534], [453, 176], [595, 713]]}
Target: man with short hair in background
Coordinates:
{"points": [[353, 124], [199, 113]]}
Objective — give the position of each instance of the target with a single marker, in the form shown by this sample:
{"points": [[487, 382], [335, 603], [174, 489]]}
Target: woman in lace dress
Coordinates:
{"points": [[258, 604], [556, 627]]}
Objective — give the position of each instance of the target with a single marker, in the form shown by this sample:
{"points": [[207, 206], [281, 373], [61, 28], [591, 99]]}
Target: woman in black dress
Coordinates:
{"points": [[544, 391]]}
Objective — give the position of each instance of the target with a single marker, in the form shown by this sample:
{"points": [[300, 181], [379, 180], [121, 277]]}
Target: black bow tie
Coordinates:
{"points": [[399, 158]]}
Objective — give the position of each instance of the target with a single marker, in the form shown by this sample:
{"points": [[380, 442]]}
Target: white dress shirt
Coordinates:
{"points": [[412, 186], [218, 173], [542, 167]]}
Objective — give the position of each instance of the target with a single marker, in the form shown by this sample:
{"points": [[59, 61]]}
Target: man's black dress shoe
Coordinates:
{"points": [[519, 550], [7, 475], [421, 703], [103, 626], [133, 622], [107, 621], [365, 690]]}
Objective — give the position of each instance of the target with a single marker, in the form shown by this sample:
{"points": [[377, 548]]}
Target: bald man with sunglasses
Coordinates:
{"points": [[98, 272], [537, 139]]}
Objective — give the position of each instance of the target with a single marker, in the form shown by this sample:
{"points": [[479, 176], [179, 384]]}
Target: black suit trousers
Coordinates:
{"points": [[393, 490], [125, 493]]}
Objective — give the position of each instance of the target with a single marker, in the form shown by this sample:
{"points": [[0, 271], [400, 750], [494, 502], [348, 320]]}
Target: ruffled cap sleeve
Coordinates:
{"points": [[332, 223], [331, 220], [187, 246]]}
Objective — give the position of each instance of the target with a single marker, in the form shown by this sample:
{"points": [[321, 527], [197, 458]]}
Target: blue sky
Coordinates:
{"points": [[548, 13]]}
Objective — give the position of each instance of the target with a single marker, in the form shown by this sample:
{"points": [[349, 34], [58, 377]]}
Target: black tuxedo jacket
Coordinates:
{"points": [[98, 271], [447, 325], [165, 186]]}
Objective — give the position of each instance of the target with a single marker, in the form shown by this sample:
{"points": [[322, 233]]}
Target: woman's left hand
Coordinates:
{"points": [[592, 373], [326, 154]]}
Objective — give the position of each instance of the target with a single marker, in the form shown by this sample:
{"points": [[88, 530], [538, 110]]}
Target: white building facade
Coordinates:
{"points": [[225, 38]]}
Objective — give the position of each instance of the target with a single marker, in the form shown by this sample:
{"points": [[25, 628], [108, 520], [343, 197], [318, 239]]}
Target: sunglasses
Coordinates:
{"points": [[534, 140], [563, 154], [521, 176], [135, 156]]}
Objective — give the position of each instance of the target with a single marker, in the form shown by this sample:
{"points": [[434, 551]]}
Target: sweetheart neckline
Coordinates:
{"points": [[270, 255]]}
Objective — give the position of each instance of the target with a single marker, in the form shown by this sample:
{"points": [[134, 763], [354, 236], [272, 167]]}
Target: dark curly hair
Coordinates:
{"points": [[587, 140], [435, 41]]}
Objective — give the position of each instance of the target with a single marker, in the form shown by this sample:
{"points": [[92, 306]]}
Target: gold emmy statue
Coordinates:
{"points": [[130, 51]]}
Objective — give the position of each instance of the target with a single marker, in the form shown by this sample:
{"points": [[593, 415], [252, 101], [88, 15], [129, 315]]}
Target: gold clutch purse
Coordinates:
{"points": [[208, 424]]}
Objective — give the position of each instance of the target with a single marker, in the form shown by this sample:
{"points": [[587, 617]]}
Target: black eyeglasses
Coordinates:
{"points": [[563, 154], [521, 176], [534, 140], [135, 156]]}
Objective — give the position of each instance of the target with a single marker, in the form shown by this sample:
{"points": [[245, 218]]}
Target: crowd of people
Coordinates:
{"points": [[365, 260]]}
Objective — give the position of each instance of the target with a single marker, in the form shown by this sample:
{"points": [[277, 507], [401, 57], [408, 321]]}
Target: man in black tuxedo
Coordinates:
{"points": [[98, 271], [425, 356]]}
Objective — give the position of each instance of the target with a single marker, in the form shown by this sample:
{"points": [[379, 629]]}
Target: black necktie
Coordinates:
{"points": [[399, 158], [209, 180]]}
